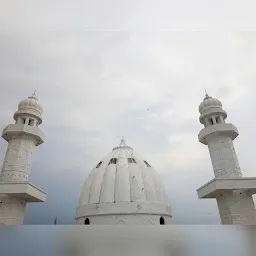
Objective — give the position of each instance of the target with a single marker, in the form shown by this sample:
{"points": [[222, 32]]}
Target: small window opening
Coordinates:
{"points": [[131, 160], [162, 222], [211, 121], [99, 164], [218, 119], [23, 120], [30, 122], [147, 164], [113, 161], [87, 221]]}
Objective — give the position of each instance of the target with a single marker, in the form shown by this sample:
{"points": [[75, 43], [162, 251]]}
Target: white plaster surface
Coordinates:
{"points": [[223, 156], [123, 208], [17, 130], [17, 162], [125, 219], [23, 190], [217, 186], [232, 192], [236, 207], [218, 129], [119, 188], [22, 138], [12, 210]]}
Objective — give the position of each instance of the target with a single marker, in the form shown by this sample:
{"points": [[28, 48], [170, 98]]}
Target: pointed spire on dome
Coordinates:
{"points": [[33, 96], [122, 143], [206, 95]]}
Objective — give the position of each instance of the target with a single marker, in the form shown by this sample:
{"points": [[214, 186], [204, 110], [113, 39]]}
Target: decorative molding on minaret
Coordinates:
{"points": [[232, 192], [22, 138]]}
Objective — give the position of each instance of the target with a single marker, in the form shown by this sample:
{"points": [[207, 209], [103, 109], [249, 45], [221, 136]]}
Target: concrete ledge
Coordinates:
{"points": [[123, 208], [23, 190], [228, 129], [214, 187], [19, 129]]}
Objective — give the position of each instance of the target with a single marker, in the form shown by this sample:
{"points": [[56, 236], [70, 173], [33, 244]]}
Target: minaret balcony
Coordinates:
{"points": [[23, 190], [21, 129], [221, 129], [215, 187]]}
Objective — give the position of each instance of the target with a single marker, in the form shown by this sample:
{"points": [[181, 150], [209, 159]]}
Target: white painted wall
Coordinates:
{"points": [[17, 162], [125, 220], [236, 207], [223, 156], [12, 210]]}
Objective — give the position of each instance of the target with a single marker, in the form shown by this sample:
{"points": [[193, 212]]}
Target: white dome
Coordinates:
{"points": [[123, 179], [30, 107], [209, 102], [31, 103]]}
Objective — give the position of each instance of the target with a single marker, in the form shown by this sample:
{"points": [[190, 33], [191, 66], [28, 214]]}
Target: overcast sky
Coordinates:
{"points": [[98, 66]]}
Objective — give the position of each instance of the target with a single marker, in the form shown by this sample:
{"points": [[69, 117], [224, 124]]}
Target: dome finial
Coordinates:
{"points": [[206, 95], [122, 143], [33, 96]]}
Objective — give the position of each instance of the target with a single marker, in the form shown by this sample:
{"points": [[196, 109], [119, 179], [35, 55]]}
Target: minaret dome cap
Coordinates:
{"points": [[30, 107], [31, 103], [209, 102]]}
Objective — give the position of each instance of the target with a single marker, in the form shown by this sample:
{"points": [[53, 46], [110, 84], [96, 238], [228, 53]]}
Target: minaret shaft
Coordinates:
{"points": [[17, 162], [223, 156], [236, 207]]}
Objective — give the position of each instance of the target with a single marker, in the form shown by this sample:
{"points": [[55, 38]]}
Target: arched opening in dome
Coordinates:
{"points": [[147, 164], [131, 160], [113, 161], [99, 164], [161, 221], [87, 221]]}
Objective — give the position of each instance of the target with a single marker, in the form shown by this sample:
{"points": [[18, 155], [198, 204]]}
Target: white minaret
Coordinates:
{"points": [[22, 138], [232, 192]]}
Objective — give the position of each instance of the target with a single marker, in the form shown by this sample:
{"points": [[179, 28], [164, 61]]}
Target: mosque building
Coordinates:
{"points": [[123, 188]]}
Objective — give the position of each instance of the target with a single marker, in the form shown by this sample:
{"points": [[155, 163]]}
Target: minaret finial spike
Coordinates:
{"points": [[206, 95], [34, 93]]}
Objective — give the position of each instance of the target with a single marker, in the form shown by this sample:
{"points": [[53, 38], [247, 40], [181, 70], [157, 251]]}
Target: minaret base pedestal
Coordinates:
{"points": [[14, 198], [234, 199]]}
